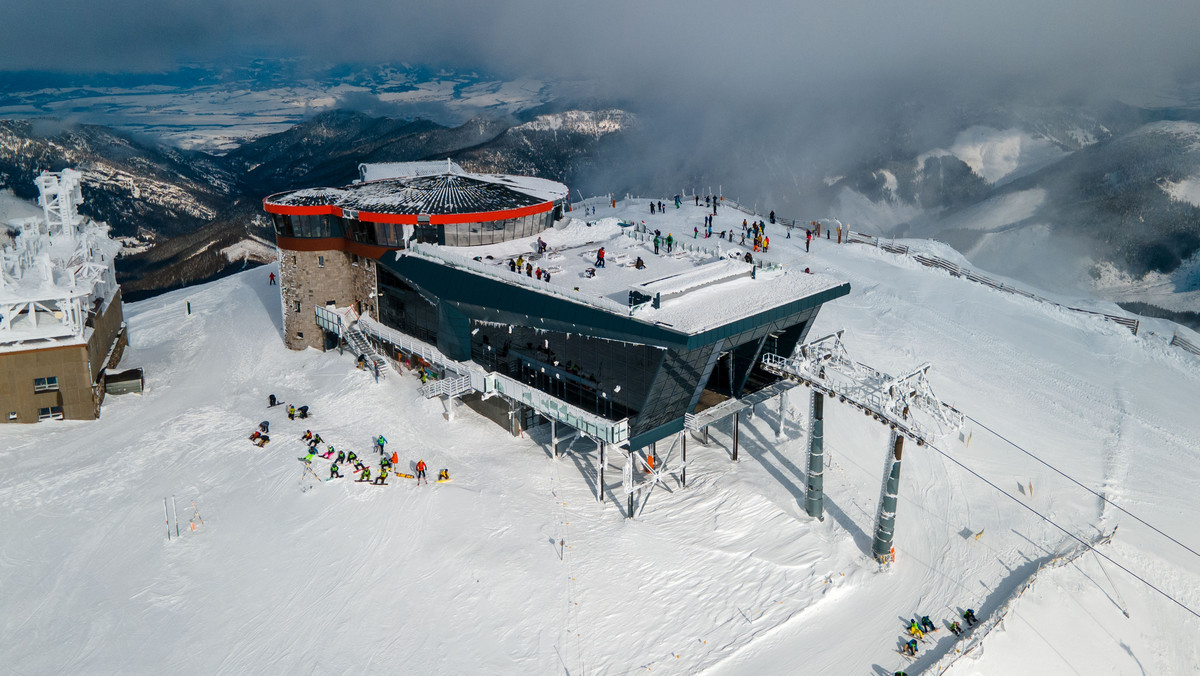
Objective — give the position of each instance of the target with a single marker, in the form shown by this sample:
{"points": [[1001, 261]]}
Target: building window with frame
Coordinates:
{"points": [[297, 307], [47, 384], [12, 415], [320, 261], [50, 413]]}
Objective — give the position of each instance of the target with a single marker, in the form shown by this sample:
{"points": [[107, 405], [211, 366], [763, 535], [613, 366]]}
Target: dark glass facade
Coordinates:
{"points": [[392, 235]]}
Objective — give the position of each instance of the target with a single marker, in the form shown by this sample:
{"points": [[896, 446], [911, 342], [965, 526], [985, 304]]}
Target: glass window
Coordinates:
{"points": [[12, 415], [47, 384], [297, 306], [50, 413]]}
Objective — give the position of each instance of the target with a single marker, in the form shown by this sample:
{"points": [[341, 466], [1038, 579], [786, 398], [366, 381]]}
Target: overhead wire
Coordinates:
{"points": [[1050, 521], [1083, 486]]}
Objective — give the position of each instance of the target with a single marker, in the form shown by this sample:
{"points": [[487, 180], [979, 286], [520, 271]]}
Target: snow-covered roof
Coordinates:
{"points": [[699, 287], [449, 192], [377, 171]]}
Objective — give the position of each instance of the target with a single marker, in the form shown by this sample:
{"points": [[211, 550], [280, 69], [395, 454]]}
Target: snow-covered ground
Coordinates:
{"points": [[515, 568]]}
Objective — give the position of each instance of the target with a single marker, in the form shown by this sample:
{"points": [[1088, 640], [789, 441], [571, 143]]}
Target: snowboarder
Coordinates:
{"points": [[366, 475], [271, 401], [264, 427], [333, 471], [385, 462], [341, 457], [328, 453], [255, 435], [927, 624], [421, 472], [382, 479], [262, 440], [306, 436], [316, 439], [444, 475], [969, 616], [911, 647], [956, 628], [352, 458], [291, 412], [639, 263], [302, 412]]}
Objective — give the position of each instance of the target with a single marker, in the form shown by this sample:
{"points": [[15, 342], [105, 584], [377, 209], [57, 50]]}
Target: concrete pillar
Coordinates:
{"points": [[814, 495], [631, 468], [885, 524], [705, 442]]}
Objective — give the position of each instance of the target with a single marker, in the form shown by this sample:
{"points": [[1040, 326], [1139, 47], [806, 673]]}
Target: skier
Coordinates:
{"points": [[915, 630], [969, 616], [333, 472], [309, 456], [911, 647], [421, 472], [380, 442], [600, 258], [291, 412], [272, 279], [956, 628], [807, 240], [927, 624]]}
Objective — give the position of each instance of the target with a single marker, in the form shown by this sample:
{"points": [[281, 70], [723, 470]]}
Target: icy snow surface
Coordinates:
{"points": [[515, 568]]}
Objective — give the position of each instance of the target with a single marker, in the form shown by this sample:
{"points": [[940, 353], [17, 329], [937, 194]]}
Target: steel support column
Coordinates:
{"points": [[782, 412], [600, 448], [735, 435], [554, 437], [885, 524], [683, 463], [814, 495]]}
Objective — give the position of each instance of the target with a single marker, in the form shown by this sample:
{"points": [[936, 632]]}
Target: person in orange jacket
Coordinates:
{"points": [[421, 472], [395, 458]]}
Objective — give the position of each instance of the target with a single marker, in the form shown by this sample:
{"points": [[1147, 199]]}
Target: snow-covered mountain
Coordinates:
{"points": [[1066, 205], [513, 567]]}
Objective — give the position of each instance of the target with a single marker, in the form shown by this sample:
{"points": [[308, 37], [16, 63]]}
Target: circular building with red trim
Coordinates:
{"points": [[451, 208], [331, 240]]}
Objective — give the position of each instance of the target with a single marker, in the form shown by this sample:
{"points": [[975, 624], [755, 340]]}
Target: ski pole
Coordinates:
{"points": [[167, 519]]}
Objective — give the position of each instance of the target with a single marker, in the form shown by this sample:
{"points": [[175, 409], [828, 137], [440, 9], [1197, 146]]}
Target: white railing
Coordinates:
{"points": [[434, 252], [609, 431], [447, 387]]}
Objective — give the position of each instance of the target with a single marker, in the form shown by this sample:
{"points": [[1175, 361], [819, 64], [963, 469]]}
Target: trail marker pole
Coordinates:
{"points": [[167, 519], [175, 510]]}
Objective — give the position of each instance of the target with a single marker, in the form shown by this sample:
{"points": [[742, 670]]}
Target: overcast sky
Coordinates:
{"points": [[636, 47]]}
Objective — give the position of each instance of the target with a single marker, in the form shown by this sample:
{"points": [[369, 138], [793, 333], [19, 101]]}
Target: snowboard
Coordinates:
{"points": [[333, 477], [305, 459], [406, 476], [444, 481]]}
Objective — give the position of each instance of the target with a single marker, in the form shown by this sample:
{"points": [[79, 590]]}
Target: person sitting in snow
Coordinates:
{"points": [[927, 624], [956, 628], [911, 647], [302, 412], [306, 436], [352, 458], [382, 476], [639, 263], [444, 475], [262, 440], [969, 616], [366, 474], [333, 471], [341, 457], [291, 412], [915, 630], [255, 435], [328, 453]]}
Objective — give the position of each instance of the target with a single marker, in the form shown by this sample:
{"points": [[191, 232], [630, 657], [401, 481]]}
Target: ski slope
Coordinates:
{"points": [[513, 567]]}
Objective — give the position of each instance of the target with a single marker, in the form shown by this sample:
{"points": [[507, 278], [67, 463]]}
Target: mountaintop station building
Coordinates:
{"points": [[61, 323], [419, 266]]}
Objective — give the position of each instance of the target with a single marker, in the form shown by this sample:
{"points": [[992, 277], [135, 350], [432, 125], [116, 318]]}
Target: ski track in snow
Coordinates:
{"points": [[727, 575]]}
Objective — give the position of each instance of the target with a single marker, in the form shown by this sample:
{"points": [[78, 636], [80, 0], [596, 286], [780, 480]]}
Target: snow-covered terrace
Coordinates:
{"points": [[700, 285]]}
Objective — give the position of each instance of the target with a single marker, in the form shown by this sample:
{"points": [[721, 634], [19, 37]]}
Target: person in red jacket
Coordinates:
{"points": [[421, 472]]}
